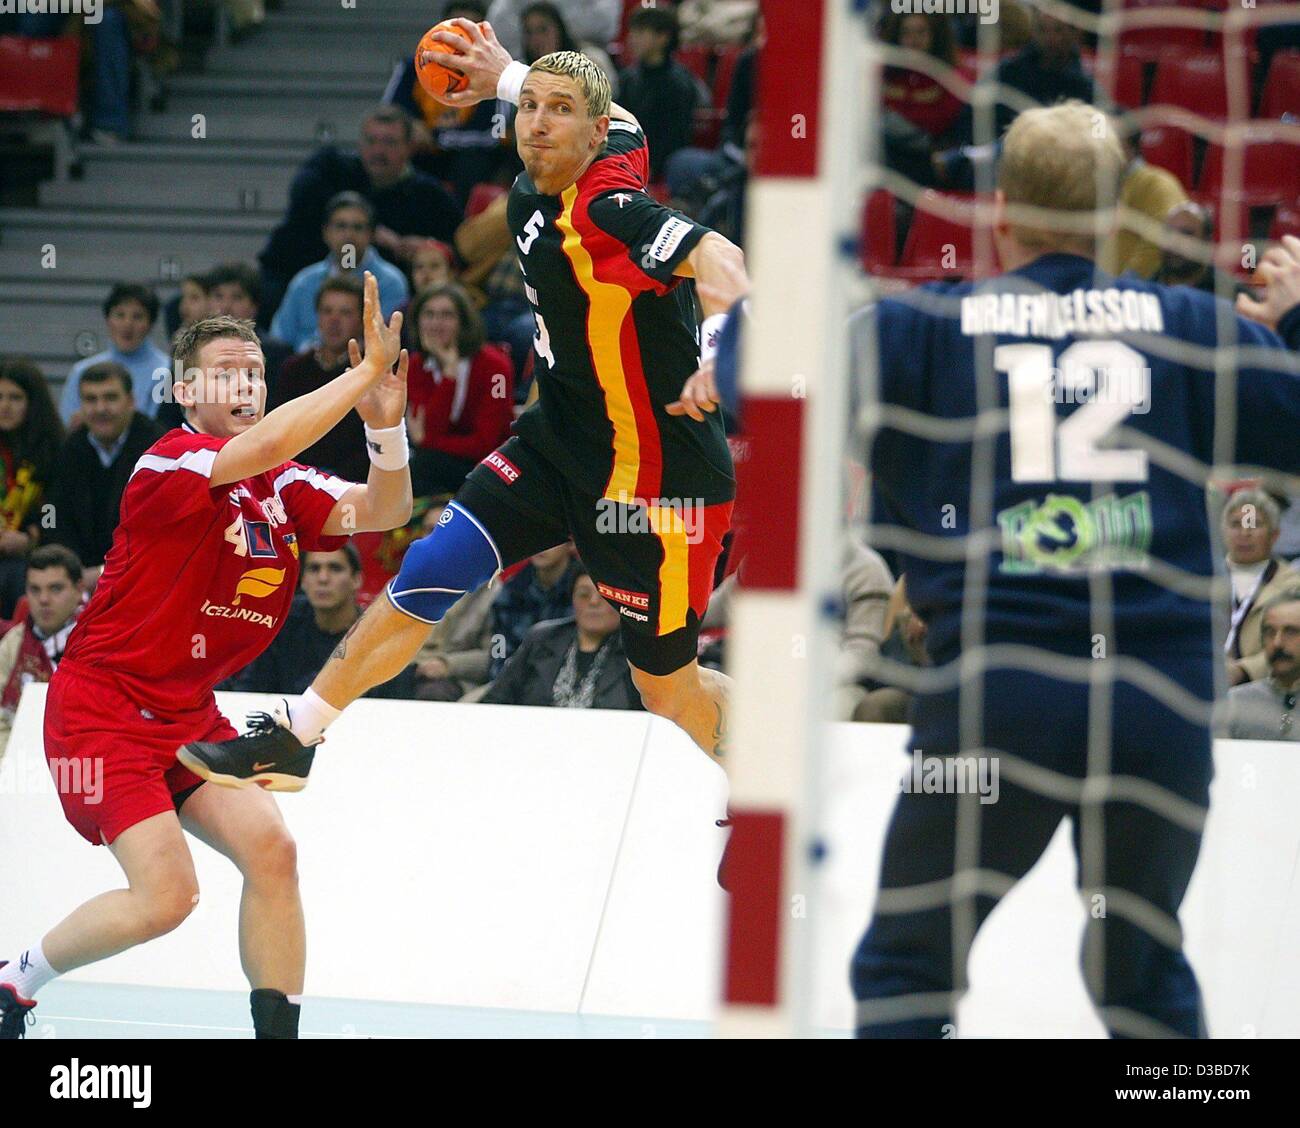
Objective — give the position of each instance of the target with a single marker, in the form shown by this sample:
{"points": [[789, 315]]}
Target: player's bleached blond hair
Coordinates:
{"points": [[1066, 160], [591, 79]]}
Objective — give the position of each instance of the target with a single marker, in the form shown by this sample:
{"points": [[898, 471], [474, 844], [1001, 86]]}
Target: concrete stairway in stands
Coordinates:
{"points": [[169, 202]]}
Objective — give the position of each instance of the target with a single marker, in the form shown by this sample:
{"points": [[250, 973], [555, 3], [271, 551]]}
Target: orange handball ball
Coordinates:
{"points": [[434, 77]]}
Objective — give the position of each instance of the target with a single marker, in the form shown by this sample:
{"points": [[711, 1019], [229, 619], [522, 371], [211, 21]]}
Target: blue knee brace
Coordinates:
{"points": [[457, 557]]}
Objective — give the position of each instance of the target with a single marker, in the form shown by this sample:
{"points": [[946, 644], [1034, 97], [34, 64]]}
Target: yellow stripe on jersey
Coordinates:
{"points": [[608, 305], [674, 572]]}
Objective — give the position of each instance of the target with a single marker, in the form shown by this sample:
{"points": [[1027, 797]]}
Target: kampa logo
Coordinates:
{"points": [[258, 583]]}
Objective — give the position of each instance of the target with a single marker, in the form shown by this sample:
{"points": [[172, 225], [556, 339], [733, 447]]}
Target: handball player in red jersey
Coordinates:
{"points": [[202, 570]]}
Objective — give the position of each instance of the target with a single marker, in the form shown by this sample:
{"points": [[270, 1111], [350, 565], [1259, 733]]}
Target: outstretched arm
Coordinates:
{"points": [[718, 267], [384, 502]]}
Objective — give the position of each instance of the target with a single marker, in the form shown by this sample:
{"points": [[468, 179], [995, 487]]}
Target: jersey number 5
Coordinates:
{"points": [[1109, 381], [532, 229]]}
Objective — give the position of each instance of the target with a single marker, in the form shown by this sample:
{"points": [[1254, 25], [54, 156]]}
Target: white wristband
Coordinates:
{"points": [[511, 82], [387, 447], [710, 331]]}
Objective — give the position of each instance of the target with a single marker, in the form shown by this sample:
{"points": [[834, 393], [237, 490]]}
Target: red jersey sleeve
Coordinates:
{"points": [[173, 480], [309, 496]]}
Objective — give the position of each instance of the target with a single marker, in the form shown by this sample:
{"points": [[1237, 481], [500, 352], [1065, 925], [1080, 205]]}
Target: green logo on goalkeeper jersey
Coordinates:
{"points": [[1064, 534]]}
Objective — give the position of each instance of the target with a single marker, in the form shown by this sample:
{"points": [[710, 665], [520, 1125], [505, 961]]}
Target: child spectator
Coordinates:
{"points": [[30, 437], [460, 391], [129, 315]]}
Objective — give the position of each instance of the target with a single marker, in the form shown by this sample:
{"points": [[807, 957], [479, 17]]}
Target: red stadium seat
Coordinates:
{"points": [[39, 75], [1282, 87], [1270, 170], [1199, 83], [940, 241], [1123, 78], [1169, 148], [1155, 41], [879, 233], [481, 196]]}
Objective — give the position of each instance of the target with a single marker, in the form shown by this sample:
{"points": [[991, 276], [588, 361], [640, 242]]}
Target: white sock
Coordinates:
{"points": [[310, 716], [28, 973]]}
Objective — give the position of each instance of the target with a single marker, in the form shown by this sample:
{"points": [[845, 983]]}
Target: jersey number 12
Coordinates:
{"points": [[1108, 380]]}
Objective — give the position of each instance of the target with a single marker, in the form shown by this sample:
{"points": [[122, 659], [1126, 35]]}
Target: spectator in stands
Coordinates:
{"points": [[1250, 529], [338, 319], [349, 228], [495, 282], [866, 592], [464, 146], [576, 663], [460, 391], [458, 652], [408, 205], [95, 462], [1265, 708], [1047, 70], [30, 437], [129, 315], [1148, 190], [588, 21], [545, 31], [656, 88], [189, 306], [320, 615], [923, 101], [904, 631], [542, 589], [30, 651], [431, 265], [686, 167], [236, 290], [1194, 221], [716, 22]]}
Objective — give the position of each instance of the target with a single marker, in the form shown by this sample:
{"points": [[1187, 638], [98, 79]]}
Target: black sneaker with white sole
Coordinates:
{"points": [[267, 756], [15, 1011]]}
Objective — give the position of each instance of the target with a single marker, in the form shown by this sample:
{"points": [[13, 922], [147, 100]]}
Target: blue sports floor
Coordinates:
{"points": [[98, 1010]]}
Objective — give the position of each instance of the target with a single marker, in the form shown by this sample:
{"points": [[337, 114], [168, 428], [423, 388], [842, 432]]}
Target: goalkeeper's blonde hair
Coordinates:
{"points": [[1068, 161], [591, 80]]}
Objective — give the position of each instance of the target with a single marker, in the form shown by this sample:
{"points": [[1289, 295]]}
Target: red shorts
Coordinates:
{"points": [[114, 764]]}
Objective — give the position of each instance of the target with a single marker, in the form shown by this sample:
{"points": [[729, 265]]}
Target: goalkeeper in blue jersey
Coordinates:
{"points": [[1088, 557]]}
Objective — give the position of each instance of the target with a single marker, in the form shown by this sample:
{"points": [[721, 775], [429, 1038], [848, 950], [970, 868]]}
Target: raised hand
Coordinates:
{"points": [[383, 342], [1279, 270], [384, 404], [481, 60]]}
